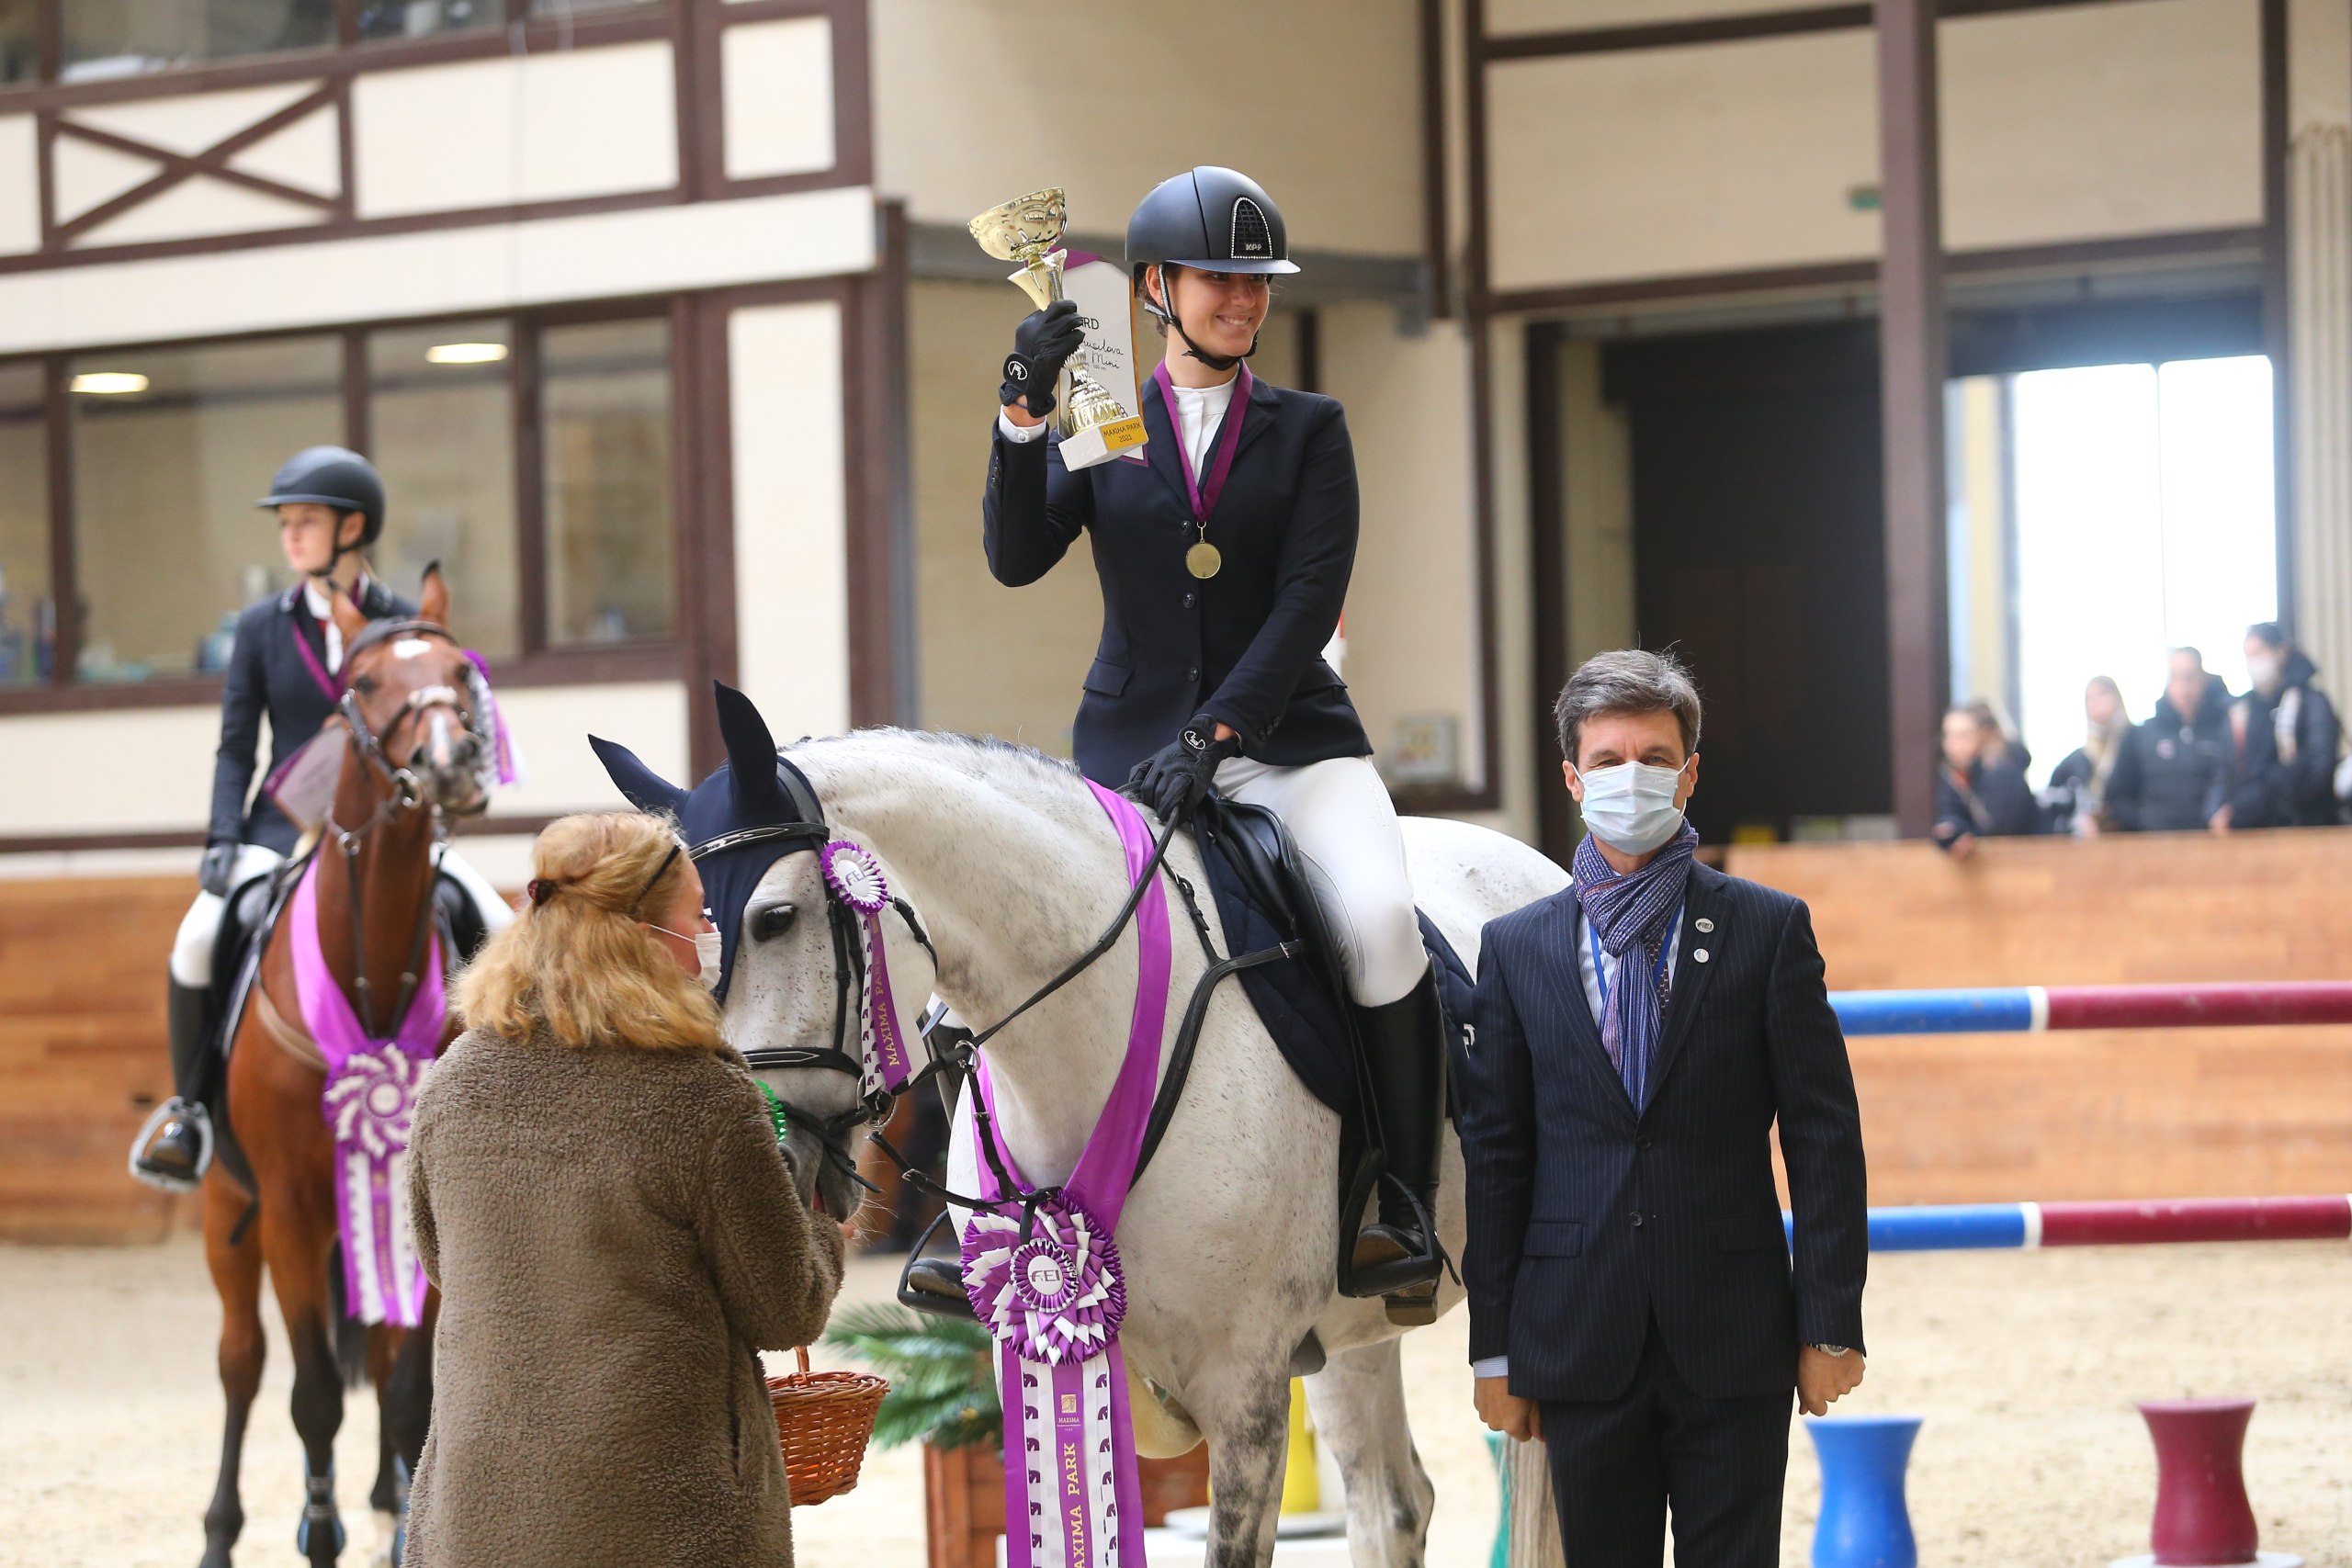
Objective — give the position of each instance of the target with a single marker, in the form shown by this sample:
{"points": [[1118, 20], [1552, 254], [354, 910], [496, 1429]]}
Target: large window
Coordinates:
{"points": [[100, 40], [171, 447], [122, 38], [27, 613], [441, 429], [531, 456], [606, 444]]}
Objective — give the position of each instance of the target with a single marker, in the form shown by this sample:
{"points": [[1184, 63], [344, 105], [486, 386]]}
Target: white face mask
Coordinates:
{"points": [[1630, 806], [706, 952], [2262, 669]]}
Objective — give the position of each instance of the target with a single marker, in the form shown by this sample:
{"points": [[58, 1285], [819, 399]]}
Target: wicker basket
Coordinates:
{"points": [[825, 1420]]}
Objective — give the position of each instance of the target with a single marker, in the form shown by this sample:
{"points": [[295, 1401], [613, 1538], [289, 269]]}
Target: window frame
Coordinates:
{"points": [[647, 17], [537, 663]]}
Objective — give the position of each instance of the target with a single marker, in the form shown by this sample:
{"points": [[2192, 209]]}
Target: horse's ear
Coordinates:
{"points": [[349, 619], [750, 753], [432, 601], [645, 789]]}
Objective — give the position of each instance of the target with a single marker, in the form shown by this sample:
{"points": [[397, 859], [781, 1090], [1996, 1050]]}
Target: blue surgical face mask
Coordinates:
{"points": [[1630, 806]]}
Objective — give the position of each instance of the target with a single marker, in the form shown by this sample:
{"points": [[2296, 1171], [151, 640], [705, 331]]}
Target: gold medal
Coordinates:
{"points": [[1203, 561]]}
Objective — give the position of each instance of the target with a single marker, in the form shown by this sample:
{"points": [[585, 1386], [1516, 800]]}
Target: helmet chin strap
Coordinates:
{"points": [[1167, 314]]}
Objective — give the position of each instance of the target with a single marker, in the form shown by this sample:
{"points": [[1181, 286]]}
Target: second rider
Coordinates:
{"points": [[1224, 559]]}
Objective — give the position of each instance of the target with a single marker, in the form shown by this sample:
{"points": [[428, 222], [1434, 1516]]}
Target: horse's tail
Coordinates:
{"points": [[350, 1334]]}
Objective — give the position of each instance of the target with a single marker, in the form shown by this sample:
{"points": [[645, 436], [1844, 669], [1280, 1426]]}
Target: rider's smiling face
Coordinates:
{"points": [[1222, 311], [307, 531]]}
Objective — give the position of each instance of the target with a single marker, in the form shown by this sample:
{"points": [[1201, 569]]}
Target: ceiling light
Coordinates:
{"points": [[465, 353], [110, 383]]}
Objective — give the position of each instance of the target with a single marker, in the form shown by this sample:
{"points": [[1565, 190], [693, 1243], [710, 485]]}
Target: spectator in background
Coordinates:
{"points": [[2173, 774], [2076, 796], [2283, 734], [1980, 787], [1999, 742]]}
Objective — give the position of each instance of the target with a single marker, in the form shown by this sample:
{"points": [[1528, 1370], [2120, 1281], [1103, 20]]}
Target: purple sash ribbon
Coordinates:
{"points": [[856, 879], [327, 683], [1204, 493], [1054, 1298], [369, 1097]]}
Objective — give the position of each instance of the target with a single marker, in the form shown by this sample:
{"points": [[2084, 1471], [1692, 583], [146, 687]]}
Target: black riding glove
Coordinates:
{"points": [[215, 870], [1172, 779], [1042, 343]]}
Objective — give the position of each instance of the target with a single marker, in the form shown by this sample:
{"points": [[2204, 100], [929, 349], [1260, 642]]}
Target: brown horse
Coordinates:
{"points": [[415, 751]]}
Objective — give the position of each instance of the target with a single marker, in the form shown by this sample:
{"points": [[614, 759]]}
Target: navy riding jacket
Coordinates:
{"points": [[1243, 646], [1590, 1221], [267, 673]]}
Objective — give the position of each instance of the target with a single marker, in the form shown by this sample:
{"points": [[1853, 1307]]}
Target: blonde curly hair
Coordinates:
{"points": [[577, 965]]}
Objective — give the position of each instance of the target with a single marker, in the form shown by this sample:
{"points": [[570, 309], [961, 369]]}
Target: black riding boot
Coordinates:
{"points": [[176, 1143], [1397, 1255]]}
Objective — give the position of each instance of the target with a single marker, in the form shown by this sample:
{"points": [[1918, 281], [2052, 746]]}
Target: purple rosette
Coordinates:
{"points": [[855, 877], [1055, 1298], [372, 1097]]}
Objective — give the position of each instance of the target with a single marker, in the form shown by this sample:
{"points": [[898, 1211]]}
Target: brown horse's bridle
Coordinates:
{"points": [[401, 794]]}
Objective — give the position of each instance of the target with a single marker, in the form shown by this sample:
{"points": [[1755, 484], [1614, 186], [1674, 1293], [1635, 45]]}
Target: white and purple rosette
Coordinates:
{"points": [[855, 877], [1055, 1298], [369, 1103]]}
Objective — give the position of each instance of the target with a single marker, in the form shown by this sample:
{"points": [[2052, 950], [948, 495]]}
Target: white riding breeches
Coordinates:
{"points": [[1339, 813], [200, 928]]}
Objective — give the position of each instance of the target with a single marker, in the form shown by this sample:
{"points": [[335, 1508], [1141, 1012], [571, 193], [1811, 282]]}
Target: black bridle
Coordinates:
{"points": [[402, 793]]}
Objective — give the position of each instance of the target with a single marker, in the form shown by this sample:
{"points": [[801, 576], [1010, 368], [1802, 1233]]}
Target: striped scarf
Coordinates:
{"points": [[1630, 914]]}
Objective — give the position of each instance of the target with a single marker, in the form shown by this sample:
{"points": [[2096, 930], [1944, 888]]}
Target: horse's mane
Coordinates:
{"points": [[982, 756]]}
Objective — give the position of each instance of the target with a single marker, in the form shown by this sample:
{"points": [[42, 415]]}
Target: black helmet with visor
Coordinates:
{"points": [[1213, 219]]}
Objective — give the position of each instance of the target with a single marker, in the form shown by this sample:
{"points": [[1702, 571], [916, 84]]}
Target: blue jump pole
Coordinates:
{"points": [[1865, 1520]]}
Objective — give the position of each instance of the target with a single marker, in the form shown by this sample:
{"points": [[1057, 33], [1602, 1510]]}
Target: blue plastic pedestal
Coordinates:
{"points": [[1865, 1522]]}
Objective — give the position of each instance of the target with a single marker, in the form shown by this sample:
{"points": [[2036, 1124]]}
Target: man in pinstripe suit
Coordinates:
{"points": [[1632, 1297]]}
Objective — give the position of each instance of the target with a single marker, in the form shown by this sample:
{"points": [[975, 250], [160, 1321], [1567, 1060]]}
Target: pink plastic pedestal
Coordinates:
{"points": [[2203, 1519]]}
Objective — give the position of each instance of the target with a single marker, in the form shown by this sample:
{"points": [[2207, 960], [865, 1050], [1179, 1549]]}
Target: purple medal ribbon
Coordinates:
{"points": [[856, 879], [327, 683], [1054, 1299], [1205, 493], [370, 1099]]}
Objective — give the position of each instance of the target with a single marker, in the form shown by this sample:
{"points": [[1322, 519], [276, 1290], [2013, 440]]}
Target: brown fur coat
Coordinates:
{"points": [[615, 1236]]}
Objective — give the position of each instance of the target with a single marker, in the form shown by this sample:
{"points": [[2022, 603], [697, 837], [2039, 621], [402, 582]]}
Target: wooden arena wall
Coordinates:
{"points": [[1949, 1119], [2138, 1114]]}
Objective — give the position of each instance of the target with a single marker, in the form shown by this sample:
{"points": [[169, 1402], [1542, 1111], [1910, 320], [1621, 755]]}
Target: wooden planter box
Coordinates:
{"points": [[963, 1498]]}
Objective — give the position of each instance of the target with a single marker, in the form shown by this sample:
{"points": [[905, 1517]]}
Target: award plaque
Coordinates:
{"points": [[1098, 410]]}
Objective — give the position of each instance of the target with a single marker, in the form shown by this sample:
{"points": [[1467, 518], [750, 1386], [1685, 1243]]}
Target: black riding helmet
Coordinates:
{"points": [[331, 476], [1213, 218]]}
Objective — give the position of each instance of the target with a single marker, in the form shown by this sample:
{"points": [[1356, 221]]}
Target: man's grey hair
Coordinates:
{"points": [[1627, 681]]}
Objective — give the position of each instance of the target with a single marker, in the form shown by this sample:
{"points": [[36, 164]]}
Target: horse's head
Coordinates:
{"points": [[418, 703], [791, 951]]}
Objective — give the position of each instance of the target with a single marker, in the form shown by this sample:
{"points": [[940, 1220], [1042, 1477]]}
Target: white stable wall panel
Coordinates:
{"points": [[20, 185], [791, 515], [1412, 615], [516, 129], [194, 122], [2092, 123], [200, 207], [1320, 100], [149, 770], [489, 267], [1711, 158], [777, 89], [2083, 122]]}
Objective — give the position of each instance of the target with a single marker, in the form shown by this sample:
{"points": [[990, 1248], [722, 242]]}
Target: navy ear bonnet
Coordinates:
{"points": [[752, 812]]}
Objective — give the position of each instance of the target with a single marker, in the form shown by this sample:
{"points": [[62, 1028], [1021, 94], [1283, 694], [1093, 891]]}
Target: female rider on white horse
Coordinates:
{"points": [[330, 507], [1224, 557]]}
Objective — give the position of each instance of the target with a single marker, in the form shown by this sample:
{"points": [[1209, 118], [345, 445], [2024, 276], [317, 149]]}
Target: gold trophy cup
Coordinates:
{"points": [[1094, 424]]}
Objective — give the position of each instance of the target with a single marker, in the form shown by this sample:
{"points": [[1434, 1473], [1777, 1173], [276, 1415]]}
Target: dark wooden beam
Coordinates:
{"points": [[1548, 519], [2278, 341], [1436, 189], [1911, 402], [1682, 34]]}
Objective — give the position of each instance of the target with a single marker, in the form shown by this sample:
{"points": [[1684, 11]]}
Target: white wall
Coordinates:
{"points": [[791, 515], [491, 266], [20, 185], [777, 89], [2077, 123], [149, 770], [980, 101], [515, 128]]}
